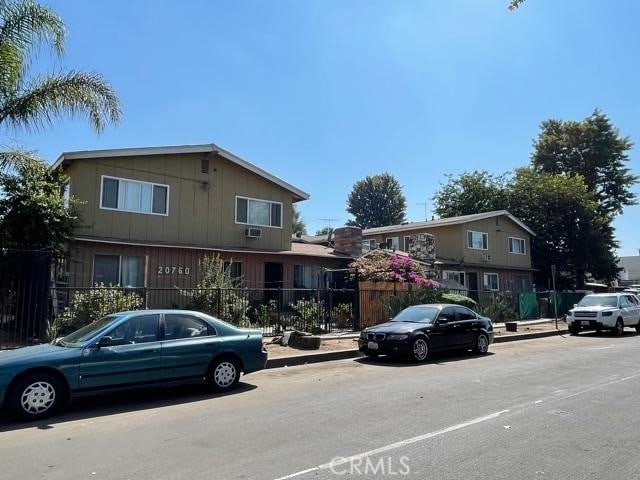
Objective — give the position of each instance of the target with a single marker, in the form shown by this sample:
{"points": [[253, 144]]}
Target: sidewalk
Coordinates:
{"points": [[342, 346]]}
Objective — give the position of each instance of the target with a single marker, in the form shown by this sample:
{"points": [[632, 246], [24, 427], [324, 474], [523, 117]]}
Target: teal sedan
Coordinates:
{"points": [[128, 350]]}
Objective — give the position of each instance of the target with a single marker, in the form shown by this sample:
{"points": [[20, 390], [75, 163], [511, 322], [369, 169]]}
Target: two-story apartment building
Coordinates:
{"points": [[485, 251], [148, 215]]}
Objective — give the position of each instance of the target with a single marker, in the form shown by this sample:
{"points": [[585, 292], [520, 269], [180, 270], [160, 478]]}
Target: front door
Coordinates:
{"points": [[187, 349], [129, 354], [472, 285], [273, 279]]}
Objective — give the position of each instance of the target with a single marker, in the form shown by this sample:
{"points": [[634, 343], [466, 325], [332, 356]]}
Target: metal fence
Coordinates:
{"points": [[271, 310]]}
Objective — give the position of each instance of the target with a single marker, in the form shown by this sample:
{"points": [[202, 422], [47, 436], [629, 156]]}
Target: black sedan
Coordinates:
{"points": [[419, 330]]}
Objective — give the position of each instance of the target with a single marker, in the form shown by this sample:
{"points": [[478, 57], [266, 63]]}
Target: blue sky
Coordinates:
{"points": [[325, 92]]}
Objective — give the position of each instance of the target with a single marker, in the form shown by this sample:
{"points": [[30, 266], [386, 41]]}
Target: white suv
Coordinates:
{"points": [[599, 311]]}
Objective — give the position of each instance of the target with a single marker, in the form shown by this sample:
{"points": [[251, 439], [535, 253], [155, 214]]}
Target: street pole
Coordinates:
{"points": [[555, 294]]}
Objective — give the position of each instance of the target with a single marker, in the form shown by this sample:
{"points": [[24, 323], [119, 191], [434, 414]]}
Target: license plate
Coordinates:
{"points": [[585, 322], [372, 346]]}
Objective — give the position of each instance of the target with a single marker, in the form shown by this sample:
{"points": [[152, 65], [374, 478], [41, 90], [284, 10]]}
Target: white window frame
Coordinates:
{"points": [[372, 245], [406, 245], [235, 213], [524, 245], [133, 180], [459, 272], [471, 247], [144, 267], [386, 242], [484, 281]]}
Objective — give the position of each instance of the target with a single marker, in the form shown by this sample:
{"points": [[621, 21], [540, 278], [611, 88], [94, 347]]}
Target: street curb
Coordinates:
{"points": [[346, 354], [529, 336], [312, 358]]}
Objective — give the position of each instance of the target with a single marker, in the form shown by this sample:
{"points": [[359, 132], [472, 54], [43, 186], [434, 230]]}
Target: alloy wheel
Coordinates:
{"points": [[483, 344], [420, 349]]}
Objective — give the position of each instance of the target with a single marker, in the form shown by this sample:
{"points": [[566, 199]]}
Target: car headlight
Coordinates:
{"points": [[397, 337], [607, 314]]}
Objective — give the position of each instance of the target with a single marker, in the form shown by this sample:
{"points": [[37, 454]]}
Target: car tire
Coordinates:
{"points": [[638, 328], [224, 374], [36, 396], [618, 330], [574, 330], [419, 349], [481, 346]]}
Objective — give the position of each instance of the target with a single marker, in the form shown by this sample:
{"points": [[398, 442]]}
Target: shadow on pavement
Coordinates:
{"points": [[436, 358], [123, 402]]}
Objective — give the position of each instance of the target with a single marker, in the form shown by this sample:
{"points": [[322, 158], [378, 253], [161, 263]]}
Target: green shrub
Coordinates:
{"points": [[341, 314], [215, 293], [91, 305], [308, 316], [500, 309], [417, 296], [458, 299]]}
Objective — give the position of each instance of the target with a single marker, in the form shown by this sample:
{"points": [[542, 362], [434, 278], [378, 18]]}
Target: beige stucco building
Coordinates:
{"points": [[486, 251], [148, 215]]}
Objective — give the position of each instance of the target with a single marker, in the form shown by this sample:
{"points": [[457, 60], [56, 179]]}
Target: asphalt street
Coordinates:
{"points": [[553, 408]]}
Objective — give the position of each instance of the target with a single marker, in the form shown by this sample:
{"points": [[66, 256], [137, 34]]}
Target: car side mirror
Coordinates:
{"points": [[105, 341], [575, 305]]}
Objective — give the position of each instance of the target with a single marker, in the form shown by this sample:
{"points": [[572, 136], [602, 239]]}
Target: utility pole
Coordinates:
{"points": [[555, 294]]}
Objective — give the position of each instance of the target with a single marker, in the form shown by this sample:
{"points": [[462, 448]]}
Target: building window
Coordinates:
{"points": [[65, 193], [118, 270], [235, 272], [516, 245], [306, 276], [477, 240], [393, 243], [407, 243], [134, 196], [453, 275], [522, 281], [368, 245], [491, 281], [261, 213]]}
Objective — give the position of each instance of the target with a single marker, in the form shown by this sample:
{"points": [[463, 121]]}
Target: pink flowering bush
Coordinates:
{"points": [[380, 267]]}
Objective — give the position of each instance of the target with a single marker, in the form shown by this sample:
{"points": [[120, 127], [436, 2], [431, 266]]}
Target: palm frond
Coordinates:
{"points": [[15, 159], [74, 94], [25, 26], [28, 24]]}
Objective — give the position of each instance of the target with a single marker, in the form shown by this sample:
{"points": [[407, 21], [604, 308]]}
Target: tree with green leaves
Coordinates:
{"points": [[324, 231], [469, 193], [34, 213], [594, 149], [559, 208], [297, 223], [377, 201], [33, 102]]}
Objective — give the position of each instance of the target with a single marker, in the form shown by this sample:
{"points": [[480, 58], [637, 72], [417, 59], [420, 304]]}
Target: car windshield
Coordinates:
{"points": [[80, 336], [417, 315], [603, 301]]}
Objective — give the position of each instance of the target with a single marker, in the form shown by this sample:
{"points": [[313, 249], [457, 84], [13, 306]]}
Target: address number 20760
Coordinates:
{"points": [[173, 270]]}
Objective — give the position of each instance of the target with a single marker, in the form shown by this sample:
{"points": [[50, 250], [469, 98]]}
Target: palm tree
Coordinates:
{"points": [[33, 103]]}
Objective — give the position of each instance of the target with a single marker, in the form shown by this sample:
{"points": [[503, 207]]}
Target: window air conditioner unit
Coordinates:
{"points": [[486, 257], [253, 232]]}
